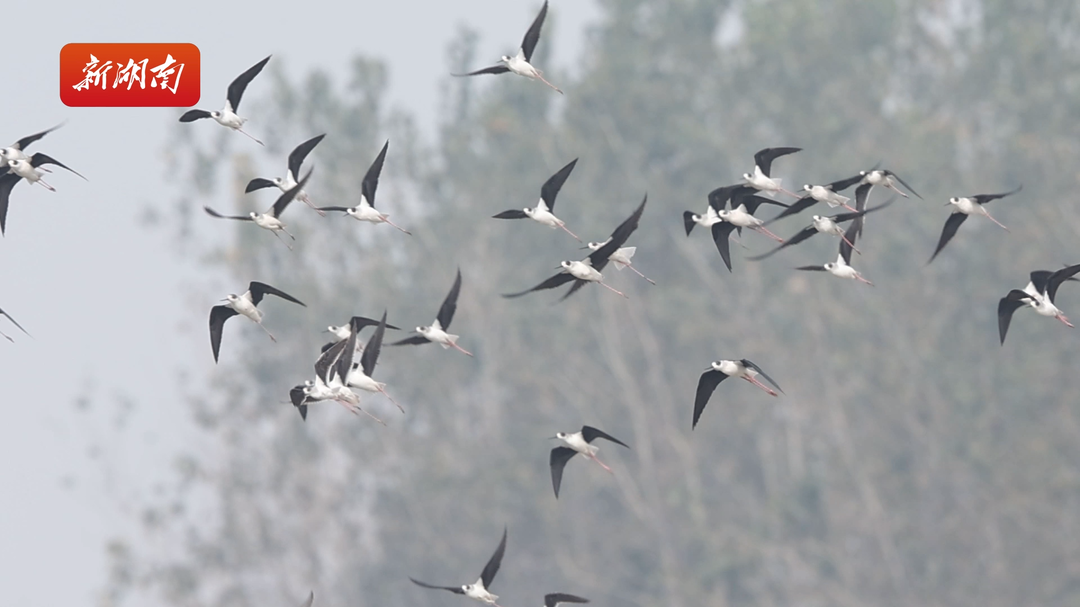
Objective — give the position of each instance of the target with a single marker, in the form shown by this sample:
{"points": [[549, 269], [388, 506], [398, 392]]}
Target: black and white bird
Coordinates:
{"points": [[544, 211], [718, 200], [553, 599], [437, 331], [310, 392], [227, 116], [823, 225], [365, 211], [828, 193], [761, 178], [244, 305], [744, 203], [882, 177], [588, 270], [621, 257], [479, 589], [270, 219], [17, 150], [349, 374], [296, 159], [841, 268], [720, 370], [341, 333], [1038, 294], [966, 206], [5, 335], [579, 442], [519, 63], [24, 168]]}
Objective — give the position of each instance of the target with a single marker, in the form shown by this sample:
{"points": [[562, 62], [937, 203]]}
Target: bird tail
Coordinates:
{"points": [[838, 200], [451, 340], [628, 252]]}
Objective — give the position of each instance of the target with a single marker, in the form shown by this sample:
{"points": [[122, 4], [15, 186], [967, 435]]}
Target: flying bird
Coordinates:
{"points": [[5, 335], [227, 116], [841, 268], [544, 211], [296, 159], [828, 193], [579, 442], [720, 370], [437, 331], [553, 599], [341, 333], [1039, 294], [966, 206], [718, 200], [365, 211], [479, 589], [17, 150], [744, 204], [761, 178], [270, 219], [24, 168], [519, 64], [588, 270], [245, 305], [348, 374], [823, 225], [621, 258]]}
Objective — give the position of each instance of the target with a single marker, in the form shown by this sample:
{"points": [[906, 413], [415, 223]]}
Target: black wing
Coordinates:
{"points": [[330, 356], [528, 43], [488, 574], [7, 181], [218, 316], [861, 193], [551, 187], [553, 599], [449, 305], [371, 178], [25, 141], [985, 198], [952, 224], [371, 350], [415, 340], [511, 214], [1059, 277], [557, 280], [342, 209], [296, 395], [718, 198], [752, 201], [599, 257], [764, 158], [213, 213], [557, 461], [706, 385], [297, 156], [849, 237], [257, 184], [750, 365], [287, 197], [363, 321], [193, 115], [589, 433], [259, 289], [721, 234], [802, 235], [12, 319], [454, 589], [842, 184], [903, 183], [798, 206], [38, 159], [236, 88], [688, 221], [842, 217], [495, 69], [1006, 306]]}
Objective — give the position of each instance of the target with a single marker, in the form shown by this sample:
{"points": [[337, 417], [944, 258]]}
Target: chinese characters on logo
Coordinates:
{"points": [[134, 71], [127, 75]]}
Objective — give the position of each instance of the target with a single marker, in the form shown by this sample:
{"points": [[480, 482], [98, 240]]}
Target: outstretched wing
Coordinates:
{"points": [[328, 358], [454, 589], [257, 184], [750, 365], [26, 141], [555, 281], [551, 187], [800, 236], [213, 213], [218, 316], [449, 305], [193, 115], [297, 156], [557, 461], [528, 43], [7, 181], [511, 214], [764, 158], [1006, 306], [842, 184], [13, 320], [952, 224], [553, 599], [1059, 277], [372, 348], [985, 198], [903, 183], [495, 69], [39, 159], [415, 340], [589, 433], [706, 386], [288, 196], [488, 574], [798, 206], [259, 289], [371, 178], [236, 88], [721, 234], [599, 257], [688, 221]]}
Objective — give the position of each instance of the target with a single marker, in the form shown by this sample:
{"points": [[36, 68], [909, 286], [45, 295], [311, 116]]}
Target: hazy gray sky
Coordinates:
{"points": [[104, 297]]}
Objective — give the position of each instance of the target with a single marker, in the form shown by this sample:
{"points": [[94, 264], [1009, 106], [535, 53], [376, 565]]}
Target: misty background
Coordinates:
{"points": [[911, 461]]}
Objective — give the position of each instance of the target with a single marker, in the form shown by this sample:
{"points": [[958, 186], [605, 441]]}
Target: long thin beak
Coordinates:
{"points": [[584, 247], [552, 437], [947, 203]]}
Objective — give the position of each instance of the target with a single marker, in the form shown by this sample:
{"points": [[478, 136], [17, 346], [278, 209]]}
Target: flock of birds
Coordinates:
{"points": [[338, 370]]}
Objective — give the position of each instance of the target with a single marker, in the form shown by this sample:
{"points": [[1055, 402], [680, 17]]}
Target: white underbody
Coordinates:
{"points": [[584, 271]]}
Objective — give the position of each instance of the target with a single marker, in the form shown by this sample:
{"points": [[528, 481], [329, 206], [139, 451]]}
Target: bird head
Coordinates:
{"points": [[747, 176], [422, 330], [829, 266], [215, 114], [253, 214], [505, 59], [565, 264], [331, 329], [278, 181], [593, 245], [863, 173], [953, 200], [560, 435], [807, 187], [723, 213]]}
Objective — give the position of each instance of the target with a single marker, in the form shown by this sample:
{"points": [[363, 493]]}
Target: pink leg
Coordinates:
{"points": [[563, 226], [252, 138], [597, 460], [1060, 317], [754, 381], [845, 205], [541, 77], [383, 390], [850, 244], [769, 234], [282, 239], [272, 338], [614, 290], [995, 221], [385, 218], [46, 186], [641, 275], [7, 337], [459, 348], [304, 198], [861, 279], [789, 193], [897, 190]]}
